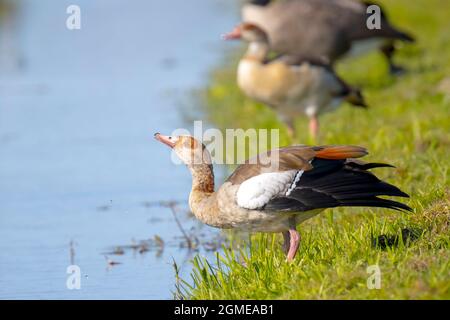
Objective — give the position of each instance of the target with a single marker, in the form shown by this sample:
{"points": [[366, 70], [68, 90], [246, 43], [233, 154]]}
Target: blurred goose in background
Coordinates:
{"points": [[323, 28], [280, 189], [291, 85]]}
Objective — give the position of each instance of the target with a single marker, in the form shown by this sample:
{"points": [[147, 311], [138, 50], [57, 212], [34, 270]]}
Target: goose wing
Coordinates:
{"points": [[271, 181], [335, 183]]}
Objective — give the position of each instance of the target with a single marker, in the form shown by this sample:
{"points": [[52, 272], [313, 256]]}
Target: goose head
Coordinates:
{"points": [[247, 31], [189, 150]]}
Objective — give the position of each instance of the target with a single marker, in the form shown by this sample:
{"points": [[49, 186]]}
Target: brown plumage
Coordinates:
{"points": [[277, 190], [292, 85], [310, 28]]}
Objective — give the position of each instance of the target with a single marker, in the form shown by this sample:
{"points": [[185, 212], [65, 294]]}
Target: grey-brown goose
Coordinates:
{"points": [[291, 85], [323, 28], [280, 189]]}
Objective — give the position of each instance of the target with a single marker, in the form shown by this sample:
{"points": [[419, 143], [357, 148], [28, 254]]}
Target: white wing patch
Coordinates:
{"points": [[257, 191], [294, 184]]}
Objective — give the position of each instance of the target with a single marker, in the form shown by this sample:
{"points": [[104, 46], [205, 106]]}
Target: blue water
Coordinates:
{"points": [[78, 110]]}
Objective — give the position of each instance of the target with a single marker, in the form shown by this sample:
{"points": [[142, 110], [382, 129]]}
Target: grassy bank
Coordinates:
{"points": [[407, 125]]}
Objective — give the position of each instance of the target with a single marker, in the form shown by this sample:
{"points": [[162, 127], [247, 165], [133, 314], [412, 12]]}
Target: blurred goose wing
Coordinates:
{"points": [[338, 87], [310, 26]]}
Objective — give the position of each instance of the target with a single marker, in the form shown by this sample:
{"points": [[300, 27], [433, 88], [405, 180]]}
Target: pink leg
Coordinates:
{"points": [[290, 126], [314, 127], [294, 243], [287, 242]]}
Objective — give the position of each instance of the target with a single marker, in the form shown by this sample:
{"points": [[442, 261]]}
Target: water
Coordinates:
{"points": [[78, 162]]}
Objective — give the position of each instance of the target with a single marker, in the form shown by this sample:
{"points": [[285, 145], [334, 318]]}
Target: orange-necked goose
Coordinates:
{"points": [[323, 28], [291, 85], [276, 191]]}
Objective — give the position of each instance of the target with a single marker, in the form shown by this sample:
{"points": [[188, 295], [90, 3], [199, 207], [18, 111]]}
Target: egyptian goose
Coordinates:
{"points": [[311, 28], [280, 189], [291, 85]]}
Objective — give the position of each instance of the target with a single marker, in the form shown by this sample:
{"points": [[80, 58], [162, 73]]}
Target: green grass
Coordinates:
{"points": [[407, 125]]}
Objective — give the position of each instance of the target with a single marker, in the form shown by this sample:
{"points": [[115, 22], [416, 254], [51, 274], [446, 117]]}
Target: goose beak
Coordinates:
{"points": [[235, 34], [164, 139]]}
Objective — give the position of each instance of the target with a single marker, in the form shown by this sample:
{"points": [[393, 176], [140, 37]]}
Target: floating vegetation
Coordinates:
{"points": [[111, 263], [193, 239]]}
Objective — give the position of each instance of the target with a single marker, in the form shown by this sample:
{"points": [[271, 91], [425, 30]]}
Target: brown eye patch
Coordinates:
{"points": [[193, 143], [189, 142]]}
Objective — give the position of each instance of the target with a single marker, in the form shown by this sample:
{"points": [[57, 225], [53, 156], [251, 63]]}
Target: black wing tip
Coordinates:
{"points": [[376, 202], [356, 98], [406, 37], [403, 194], [399, 206], [403, 208], [393, 191], [368, 166], [409, 209], [373, 165]]}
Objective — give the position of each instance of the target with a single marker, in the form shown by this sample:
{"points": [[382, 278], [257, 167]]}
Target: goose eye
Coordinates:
{"points": [[170, 138]]}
